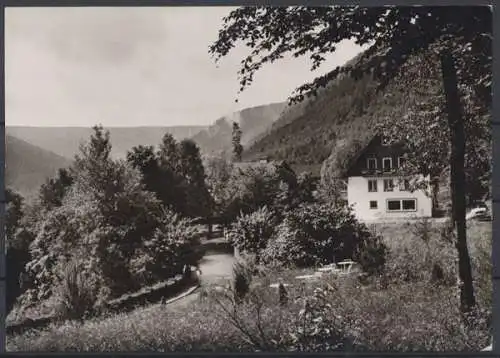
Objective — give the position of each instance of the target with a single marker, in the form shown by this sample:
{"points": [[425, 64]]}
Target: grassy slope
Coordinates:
{"points": [[65, 141], [28, 166], [401, 317]]}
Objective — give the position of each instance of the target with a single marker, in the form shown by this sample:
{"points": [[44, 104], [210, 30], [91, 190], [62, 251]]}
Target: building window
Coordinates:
{"points": [[388, 185], [371, 163], [404, 185], [401, 162], [394, 205], [409, 205], [402, 205], [387, 163], [373, 204], [372, 185]]}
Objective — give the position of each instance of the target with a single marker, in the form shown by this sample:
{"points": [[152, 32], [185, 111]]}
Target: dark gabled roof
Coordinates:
{"points": [[376, 139], [359, 154]]}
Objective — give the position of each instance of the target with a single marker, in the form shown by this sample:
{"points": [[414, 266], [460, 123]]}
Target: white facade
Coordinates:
{"points": [[376, 201]]}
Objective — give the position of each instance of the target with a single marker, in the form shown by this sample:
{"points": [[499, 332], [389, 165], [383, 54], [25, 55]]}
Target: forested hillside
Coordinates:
{"points": [[306, 133]]}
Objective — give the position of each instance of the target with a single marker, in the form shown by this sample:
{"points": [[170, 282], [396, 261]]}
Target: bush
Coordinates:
{"points": [[77, 294], [17, 246], [273, 185], [171, 246], [251, 232], [242, 278], [319, 234]]}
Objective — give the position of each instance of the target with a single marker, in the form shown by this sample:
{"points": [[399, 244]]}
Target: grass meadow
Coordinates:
{"points": [[413, 306]]}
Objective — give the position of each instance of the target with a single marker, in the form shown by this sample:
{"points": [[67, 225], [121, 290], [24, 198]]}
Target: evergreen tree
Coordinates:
{"points": [[236, 140], [192, 170]]}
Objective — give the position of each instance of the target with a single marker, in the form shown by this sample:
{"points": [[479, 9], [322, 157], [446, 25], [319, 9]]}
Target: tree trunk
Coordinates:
{"points": [[434, 196], [457, 180], [210, 227]]}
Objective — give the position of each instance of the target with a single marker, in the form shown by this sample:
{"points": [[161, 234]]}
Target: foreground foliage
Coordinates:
{"points": [[118, 234], [415, 314]]}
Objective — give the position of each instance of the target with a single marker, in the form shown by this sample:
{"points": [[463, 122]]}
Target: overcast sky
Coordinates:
{"points": [[132, 67]]}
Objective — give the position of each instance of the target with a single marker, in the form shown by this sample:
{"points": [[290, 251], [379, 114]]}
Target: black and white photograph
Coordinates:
{"points": [[249, 179]]}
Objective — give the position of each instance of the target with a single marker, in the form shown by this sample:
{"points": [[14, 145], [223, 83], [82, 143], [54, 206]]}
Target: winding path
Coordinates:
{"points": [[214, 267]]}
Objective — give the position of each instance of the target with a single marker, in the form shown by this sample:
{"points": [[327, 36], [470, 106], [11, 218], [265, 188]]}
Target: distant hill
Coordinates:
{"points": [[28, 166], [65, 141], [253, 123]]}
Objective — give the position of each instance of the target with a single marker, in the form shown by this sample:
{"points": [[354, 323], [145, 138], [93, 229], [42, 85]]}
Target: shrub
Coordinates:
{"points": [[242, 278], [323, 233], [171, 245], [77, 294], [251, 232], [318, 328], [372, 255], [250, 188], [17, 246]]}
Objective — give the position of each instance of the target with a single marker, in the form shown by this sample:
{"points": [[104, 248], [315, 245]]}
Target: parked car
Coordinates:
{"points": [[480, 213]]}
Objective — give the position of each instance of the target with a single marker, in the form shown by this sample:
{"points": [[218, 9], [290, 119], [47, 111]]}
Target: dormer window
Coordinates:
{"points": [[387, 163], [371, 163]]}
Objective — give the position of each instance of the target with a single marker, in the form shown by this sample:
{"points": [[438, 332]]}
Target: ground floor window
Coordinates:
{"points": [[373, 204], [402, 205]]}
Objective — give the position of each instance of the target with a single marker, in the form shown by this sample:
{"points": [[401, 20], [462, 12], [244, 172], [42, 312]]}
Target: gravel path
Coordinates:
{"points": [[216, 267]]}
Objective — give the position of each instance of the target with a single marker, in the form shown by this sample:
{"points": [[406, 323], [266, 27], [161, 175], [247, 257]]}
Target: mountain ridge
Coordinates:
{"points": [[29, 166], [253, 122], [65, 141]]}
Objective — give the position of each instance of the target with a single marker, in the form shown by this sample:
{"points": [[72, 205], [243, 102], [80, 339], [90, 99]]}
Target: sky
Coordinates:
{"points": [[133, 67]]}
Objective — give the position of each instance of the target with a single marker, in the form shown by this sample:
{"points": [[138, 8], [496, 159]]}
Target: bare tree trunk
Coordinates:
{"points": [[210, 227], [457, 180], [434, 195]]}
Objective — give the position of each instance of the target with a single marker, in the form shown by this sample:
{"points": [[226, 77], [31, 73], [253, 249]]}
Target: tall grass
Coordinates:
{"points": [[416, 313]]}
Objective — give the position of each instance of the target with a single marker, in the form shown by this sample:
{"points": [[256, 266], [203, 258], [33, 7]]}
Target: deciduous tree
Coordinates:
{"points": [[52, 192]]}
